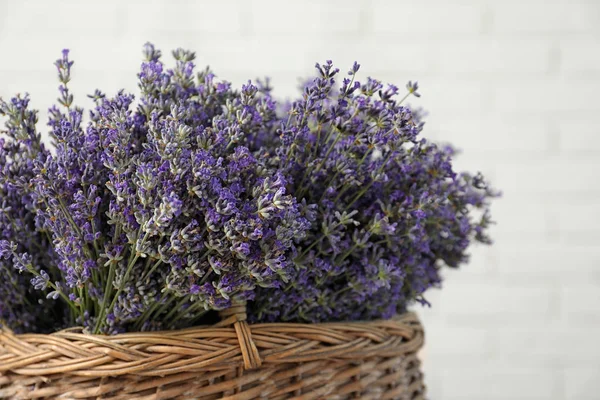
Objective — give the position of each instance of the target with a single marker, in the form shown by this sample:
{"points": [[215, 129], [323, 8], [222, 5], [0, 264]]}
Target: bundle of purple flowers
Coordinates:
{"points": [[151, 216]]}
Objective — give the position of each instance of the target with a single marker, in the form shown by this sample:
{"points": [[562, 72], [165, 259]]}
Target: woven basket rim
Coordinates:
{"points": [[231, 343]]}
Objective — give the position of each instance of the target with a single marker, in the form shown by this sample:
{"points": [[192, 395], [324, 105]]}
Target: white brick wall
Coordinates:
{"points": [[513, 83]]}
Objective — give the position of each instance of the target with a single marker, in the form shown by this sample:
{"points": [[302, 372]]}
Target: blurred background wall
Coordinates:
{"points": [[514, 83]]}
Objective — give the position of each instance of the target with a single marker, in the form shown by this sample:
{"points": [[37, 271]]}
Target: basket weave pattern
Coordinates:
{"points": [[229, 360]]}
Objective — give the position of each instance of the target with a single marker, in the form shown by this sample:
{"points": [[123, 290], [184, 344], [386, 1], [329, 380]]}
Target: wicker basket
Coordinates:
{"points": [[229, 360]]}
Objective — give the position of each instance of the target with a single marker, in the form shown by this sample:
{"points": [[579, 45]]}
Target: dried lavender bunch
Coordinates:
{"points": [[22, 247], [160, 214], [387, 211], [151, 215]]}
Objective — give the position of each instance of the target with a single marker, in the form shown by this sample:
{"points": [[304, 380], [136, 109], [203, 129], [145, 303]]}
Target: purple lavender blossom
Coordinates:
{"points": [[23, 249], [159, 213], [198, 196], [387, 211]]}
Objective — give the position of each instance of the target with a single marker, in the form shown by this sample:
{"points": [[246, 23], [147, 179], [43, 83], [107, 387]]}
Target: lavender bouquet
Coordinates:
{"points": [[157, 212]]}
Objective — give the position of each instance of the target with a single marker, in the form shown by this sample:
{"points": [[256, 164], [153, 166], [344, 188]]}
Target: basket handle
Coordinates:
{"points": [[236, 316]]}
